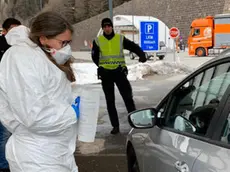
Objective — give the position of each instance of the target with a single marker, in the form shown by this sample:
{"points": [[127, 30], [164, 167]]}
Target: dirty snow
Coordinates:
{"points": [[86, 73]]}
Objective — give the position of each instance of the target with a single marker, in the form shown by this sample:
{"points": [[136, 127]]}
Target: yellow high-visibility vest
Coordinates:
{"points": [[111, 51]]}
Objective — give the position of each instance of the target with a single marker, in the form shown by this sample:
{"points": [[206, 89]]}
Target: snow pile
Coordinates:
{"points": [[86, 73], [138, 71]]}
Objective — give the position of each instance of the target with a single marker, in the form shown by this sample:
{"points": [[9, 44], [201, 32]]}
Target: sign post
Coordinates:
{"points": [[174, 33], [111, 9], [149, 36]]}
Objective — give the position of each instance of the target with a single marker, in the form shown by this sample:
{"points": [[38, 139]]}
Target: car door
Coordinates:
{"points": [[183, 130], [215, 156]]}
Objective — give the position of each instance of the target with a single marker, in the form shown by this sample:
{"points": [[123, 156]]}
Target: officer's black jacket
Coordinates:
{"points": [[127, 44], [3, 46]]}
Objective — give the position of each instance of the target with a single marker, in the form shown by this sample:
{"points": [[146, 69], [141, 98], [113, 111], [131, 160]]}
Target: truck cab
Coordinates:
{"points": [[201, 36]]}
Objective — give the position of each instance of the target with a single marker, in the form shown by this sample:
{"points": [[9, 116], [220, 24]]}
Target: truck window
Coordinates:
{"points": [[196, 32]]}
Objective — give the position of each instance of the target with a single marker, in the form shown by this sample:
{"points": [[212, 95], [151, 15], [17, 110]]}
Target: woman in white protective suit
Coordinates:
{"points": [[36, 104]]}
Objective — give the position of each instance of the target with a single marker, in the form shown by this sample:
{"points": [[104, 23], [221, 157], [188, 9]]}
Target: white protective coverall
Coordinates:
{"points": [[35, 106]]}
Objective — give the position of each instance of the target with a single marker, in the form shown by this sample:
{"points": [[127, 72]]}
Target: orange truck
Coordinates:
{"points": [[209, 35]]}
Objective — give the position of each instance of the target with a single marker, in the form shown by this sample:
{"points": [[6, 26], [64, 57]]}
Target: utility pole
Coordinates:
{"points": [[133, 19], [111, 9]]}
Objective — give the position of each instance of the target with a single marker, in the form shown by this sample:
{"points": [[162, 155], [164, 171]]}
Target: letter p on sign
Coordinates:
{"points": [[149, 29]]}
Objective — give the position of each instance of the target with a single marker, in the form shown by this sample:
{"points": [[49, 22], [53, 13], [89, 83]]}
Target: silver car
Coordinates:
{"points": [[189, 130]]}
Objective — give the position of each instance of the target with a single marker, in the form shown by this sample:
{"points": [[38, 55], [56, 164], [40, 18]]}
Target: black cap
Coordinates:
{"points": [[106, 21]]}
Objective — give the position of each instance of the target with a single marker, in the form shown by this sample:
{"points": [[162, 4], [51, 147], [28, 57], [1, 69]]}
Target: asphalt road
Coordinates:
{"points": [[107, 153]]}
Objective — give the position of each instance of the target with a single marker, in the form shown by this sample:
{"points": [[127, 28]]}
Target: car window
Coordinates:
{"points": [[225, 136], [197, 100]]}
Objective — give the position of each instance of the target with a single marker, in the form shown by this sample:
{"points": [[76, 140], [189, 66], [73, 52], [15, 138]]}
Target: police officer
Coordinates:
{"points": [[8, 24], [108, 55]]}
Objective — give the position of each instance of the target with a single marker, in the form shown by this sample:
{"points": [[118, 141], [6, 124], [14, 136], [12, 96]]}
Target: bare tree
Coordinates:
{"points": [[81, 10], [3, 7], [73, 10], [66, 8], [10, 8], [25, 9]]}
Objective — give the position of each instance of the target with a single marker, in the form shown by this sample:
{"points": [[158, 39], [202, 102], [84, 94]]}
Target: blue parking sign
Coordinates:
{"points": [[149, 38]]}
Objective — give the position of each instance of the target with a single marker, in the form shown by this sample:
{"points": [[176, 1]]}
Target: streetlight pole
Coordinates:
{"points": [[111, 9]]}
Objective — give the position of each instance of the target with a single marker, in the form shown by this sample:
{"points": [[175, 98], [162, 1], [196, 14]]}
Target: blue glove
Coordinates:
{"points": [[76, 106]]}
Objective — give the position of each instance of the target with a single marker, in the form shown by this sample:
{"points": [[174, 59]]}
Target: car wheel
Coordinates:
{"points": [[132, 160], [161, 57]]}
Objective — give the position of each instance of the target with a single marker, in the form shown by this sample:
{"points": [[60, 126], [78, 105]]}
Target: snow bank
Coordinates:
{"points": [[138, 71], [86, 73]]}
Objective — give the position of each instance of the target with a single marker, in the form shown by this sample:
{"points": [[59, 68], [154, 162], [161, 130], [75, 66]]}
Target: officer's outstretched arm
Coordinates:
{"points": [[131, 46]]}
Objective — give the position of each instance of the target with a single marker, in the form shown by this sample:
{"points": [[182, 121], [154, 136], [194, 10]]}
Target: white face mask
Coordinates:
{"points": [[61, 56]]}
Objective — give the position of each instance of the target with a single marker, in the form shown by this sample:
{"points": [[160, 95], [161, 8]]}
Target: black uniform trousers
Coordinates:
{"points": [[109, 79]]}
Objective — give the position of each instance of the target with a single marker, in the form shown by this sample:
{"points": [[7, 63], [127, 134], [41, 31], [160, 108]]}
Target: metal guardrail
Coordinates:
{"points": [[216, 50], [227, 44]]}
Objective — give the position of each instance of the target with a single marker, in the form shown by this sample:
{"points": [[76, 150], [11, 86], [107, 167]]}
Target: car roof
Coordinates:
{"points": [[223, 55]]}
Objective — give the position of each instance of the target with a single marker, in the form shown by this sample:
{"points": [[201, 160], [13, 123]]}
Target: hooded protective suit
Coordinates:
{"points": [[35, 106]]}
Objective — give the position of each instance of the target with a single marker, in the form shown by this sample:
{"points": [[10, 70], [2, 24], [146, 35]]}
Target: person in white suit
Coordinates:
{"points": [[36, 102]]}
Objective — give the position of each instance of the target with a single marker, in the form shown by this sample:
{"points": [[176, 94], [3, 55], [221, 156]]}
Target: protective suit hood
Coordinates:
{"points": [[17, 35]]}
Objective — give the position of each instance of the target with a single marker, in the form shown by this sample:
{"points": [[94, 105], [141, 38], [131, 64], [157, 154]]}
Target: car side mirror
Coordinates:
{"points": [[184, 125], [143, 119]]}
